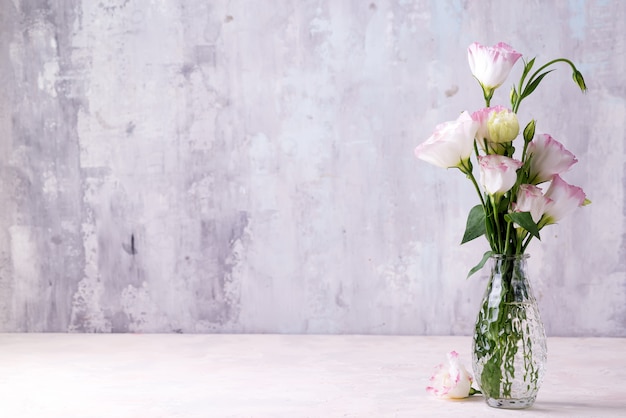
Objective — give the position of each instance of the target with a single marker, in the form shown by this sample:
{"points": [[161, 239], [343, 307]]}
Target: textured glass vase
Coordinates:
{"points": [[509, 345]]}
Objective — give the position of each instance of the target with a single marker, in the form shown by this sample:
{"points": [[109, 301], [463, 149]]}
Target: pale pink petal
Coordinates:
{"points": [[548, 157], [531, 199], [450, 144], [498, 173], [451, 381], [565, 198]]}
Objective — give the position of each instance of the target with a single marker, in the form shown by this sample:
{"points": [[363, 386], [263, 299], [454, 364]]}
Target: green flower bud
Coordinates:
{"points": [[513, 96], [578, 78], [529, 131]]}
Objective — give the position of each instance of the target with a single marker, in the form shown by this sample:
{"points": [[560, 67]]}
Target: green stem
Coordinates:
{"points": [[527, 242], [489, 235], [571, 64], [532, 78], [467, 170], [518, 242], [498, 242], [508, 236], [524, 150], [487, 95], [480, 196]]}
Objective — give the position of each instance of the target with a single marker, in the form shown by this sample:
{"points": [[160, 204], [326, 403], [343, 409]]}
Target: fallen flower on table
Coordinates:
{"points": [[451, 381]]}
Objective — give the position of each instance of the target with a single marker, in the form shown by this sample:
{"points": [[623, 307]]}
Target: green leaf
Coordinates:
{"points": [[527, 66], [524, 220], [509, 149], [532, 86], [480, 265], [475, 226], [473, 391], [491, 377]]}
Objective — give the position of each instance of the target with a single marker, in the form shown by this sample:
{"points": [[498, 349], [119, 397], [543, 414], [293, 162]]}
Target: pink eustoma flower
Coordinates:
{"points": [[451, 144], [491, 65], [565, 198], [451, 381], [547, 158], [498, 173], [531, 199]]}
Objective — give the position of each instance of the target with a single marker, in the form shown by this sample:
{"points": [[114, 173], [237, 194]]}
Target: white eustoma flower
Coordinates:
{"points": [[451, 144], [547, 158], [531, 199], [498, 173], [452, 380], [491, 65], [565, 198]]}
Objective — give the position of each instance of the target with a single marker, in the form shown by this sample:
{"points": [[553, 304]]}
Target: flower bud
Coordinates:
{"points": [[513, 96], [503, 126], [529, 131], [578, 78]]}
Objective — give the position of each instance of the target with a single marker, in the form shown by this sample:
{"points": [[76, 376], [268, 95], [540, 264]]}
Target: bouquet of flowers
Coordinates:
{"points": [[520, 191], [513, 208]]}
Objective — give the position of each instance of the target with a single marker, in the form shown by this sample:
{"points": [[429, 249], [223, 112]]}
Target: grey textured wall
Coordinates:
{"points": [[247, 166]]}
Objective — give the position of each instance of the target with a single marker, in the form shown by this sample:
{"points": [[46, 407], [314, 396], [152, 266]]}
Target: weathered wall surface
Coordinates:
{"points": [[247, 166]]}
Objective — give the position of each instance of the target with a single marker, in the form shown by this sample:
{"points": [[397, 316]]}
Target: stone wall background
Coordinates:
{"points": [[247, 166]]}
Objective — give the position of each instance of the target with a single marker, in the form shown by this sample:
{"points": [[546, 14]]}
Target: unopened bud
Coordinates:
{"points": [[529, 131], [513, 96], [503, 126], [578, 78]]}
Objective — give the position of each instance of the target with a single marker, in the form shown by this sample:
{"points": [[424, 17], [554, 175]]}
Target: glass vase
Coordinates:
{"points": [[509, 344]]}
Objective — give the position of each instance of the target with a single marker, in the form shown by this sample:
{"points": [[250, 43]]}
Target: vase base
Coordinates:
{"points": [[510, 403]]}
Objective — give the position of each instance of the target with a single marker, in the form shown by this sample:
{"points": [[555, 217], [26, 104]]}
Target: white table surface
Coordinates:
{"points": [[158, 375]]}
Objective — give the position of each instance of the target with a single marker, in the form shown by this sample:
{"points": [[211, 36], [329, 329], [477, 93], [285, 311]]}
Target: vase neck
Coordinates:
{"points": [[509, 265], [521, 257], [509, 278]]}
